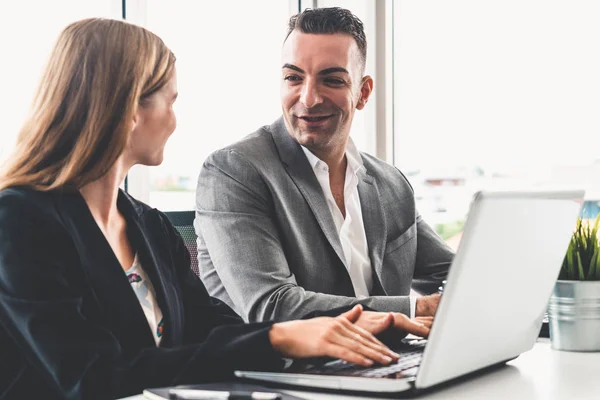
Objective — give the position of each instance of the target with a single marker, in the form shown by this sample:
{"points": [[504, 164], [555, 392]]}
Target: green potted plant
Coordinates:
{"points": [[574, 308]]}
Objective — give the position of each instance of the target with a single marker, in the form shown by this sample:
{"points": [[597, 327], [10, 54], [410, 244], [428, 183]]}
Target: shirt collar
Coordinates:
{"points": [[355, 162], [354, 159]]}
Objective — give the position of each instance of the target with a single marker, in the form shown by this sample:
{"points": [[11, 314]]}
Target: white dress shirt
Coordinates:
{"points": [[351, 230]]}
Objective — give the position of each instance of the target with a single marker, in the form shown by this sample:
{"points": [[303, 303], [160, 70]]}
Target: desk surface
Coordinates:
{"points": [[541, 373]]}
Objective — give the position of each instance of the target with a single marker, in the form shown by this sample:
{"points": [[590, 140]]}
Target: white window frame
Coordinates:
{"points": [[138, 179]]}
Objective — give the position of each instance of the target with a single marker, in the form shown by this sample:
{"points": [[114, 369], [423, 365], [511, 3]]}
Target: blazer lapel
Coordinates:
{"points": [[301, 172], [162, 279], [374, 223], [105, 274]]}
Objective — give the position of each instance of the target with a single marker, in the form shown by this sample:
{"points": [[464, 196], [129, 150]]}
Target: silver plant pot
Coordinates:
{"points": [[574, 316]]}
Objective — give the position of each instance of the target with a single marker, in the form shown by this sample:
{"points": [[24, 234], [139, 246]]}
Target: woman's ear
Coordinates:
{"points": [[134, 120]]}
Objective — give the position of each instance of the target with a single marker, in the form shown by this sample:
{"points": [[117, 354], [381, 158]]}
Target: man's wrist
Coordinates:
{"points": [[427, 305]]}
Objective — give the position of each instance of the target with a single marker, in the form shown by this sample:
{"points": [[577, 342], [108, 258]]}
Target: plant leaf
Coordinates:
{"points": [[593, 266], [595, 228], [581, 275], [571, 261], [582, 259], [598, 267]]}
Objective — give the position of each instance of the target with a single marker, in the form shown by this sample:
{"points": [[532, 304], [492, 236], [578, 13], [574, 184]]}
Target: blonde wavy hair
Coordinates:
{"points": [[97, 74]]}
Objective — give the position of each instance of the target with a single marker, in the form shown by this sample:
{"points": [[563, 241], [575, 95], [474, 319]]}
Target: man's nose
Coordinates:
{"points": [[310, 95]]}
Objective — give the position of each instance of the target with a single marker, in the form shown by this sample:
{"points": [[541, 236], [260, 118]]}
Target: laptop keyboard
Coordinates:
{"points": [[407, 365]]}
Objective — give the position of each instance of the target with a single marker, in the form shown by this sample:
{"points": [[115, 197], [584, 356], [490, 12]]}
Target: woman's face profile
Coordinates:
{"points": [[154, 122]]}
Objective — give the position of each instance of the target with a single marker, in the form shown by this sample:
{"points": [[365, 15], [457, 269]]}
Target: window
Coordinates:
{"points": [[495, 94], [27, 33], [486, 94], [228, 72]]}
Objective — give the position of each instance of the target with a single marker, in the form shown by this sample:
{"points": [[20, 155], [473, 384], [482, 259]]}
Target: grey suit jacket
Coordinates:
{"points": [[268, 246]]}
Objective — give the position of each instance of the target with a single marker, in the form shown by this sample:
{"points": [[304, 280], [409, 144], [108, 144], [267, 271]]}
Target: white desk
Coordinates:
{"points": [[541, 373]]}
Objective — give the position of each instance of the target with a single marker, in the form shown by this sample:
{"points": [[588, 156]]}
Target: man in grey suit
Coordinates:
{"points": [[293, 218]]}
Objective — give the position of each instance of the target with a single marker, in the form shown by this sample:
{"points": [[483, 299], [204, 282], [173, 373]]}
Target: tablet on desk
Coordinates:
{"points": [[243, 389]]}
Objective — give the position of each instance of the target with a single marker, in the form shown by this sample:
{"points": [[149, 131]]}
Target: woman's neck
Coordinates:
{"points": [[101, 194]]}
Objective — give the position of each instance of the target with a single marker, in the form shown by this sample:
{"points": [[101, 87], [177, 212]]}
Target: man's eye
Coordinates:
{"points": [[292, 78], [334, 81]]}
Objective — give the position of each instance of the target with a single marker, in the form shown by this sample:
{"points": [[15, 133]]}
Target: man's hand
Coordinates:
{"points": [[377, 322], [427, 305]]}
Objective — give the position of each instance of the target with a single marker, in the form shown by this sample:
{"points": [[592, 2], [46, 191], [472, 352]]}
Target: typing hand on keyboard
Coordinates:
{"points": [[378, 322], [407, 365]]}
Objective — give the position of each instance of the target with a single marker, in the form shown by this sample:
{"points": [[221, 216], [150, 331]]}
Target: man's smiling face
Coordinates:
{"points": [[322, 86]]}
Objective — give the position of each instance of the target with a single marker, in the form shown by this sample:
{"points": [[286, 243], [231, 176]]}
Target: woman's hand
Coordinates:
{"points": [[335, 337], [377, 322]]}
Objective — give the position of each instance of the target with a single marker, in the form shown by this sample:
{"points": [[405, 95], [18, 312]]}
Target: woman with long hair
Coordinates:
{"points": [[97, 297]]}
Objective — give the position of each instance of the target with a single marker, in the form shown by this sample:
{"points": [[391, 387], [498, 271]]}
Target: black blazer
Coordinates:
{"points": [[72, 327]]}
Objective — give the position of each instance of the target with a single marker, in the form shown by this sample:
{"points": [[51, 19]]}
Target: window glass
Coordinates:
{"points": [[28, 31], [493, 94], [228, 73]]}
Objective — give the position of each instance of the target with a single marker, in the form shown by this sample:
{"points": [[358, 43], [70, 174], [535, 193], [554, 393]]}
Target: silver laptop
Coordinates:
{"points": [[493, 304]]}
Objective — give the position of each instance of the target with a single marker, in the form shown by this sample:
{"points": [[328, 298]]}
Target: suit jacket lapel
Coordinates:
{"points": [[301, 172], [374, 223], [162, 279], [105, 273]]}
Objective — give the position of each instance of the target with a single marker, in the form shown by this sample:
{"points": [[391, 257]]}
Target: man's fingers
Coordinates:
{"points": [[424, 318], [412, 326], [427, 321]]}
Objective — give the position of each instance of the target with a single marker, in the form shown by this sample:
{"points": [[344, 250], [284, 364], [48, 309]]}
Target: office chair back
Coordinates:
{"points": [[184, 223]]}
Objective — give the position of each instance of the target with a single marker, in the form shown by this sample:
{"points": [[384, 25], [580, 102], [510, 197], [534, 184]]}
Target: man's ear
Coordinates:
{"points": [[366, 88]]}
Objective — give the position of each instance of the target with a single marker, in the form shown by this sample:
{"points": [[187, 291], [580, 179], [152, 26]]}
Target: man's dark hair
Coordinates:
{"points": [[330, 21]]}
